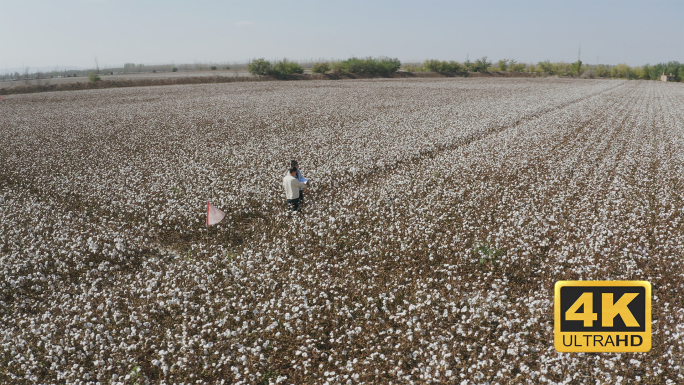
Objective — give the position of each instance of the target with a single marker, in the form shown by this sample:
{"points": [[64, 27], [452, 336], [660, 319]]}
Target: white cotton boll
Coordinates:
{"points": [[503, 157]]}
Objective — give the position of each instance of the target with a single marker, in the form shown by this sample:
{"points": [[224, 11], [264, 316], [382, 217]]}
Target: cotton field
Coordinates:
{"points": [[441, 214]]}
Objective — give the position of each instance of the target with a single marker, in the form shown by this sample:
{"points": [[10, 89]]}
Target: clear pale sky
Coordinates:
{"points": [[49, 33]]}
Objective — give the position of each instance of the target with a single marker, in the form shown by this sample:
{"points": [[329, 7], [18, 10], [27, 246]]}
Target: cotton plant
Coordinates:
{"points": [[109, 273]]}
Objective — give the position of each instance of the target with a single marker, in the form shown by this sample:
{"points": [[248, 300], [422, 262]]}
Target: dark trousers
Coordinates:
{"points": [[301, 196], [293, 204]]}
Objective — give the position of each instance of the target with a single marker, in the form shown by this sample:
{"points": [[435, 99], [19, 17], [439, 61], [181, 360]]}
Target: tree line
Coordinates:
{"points": [[548, 68], [384, 65], [354, 65], [620, 71]]}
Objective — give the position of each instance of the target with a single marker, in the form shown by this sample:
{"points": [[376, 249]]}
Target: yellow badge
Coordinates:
{"points": [[602, 316]]}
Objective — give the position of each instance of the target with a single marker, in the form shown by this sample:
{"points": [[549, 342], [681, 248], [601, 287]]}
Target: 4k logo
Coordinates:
{"points": [[602, 316]]}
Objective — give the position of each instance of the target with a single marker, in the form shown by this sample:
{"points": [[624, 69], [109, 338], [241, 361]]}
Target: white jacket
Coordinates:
{"points": [[292, 186]]}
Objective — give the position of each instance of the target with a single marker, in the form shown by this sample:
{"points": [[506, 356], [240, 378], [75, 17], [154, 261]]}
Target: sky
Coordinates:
{"points": [[51, 33]]}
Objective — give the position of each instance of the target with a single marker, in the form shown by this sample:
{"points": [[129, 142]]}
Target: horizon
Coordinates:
{"points": [[76, 33], [44, 70]]}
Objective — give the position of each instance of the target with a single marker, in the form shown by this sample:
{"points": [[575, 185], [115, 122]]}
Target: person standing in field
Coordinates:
{"points": [[300, 178], [292, 188]]}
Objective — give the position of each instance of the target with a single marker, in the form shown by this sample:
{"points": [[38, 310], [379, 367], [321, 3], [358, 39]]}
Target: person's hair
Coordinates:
{"points": [[293, 169], [293, 163]]}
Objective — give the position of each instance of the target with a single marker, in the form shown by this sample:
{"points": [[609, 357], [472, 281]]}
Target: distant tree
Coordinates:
{"points": [[546, 66], [352, 65], [295, 68], [286, 67], [452, 66], [386, 65], [259, 67], [369, 65], [174, 69], [601, 71], [321, 67], [432, 65], [482, 64], [93, 77], [561, 69], [503, 64], [576, 68], [647, 71], [639, 73], [337, 67], [621, 71], [213, 68], [515, 66], [673, 67], [410, 68]]}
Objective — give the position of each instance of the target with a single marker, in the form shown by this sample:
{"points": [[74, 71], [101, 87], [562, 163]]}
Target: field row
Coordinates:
{"points": [[441, 215]]}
